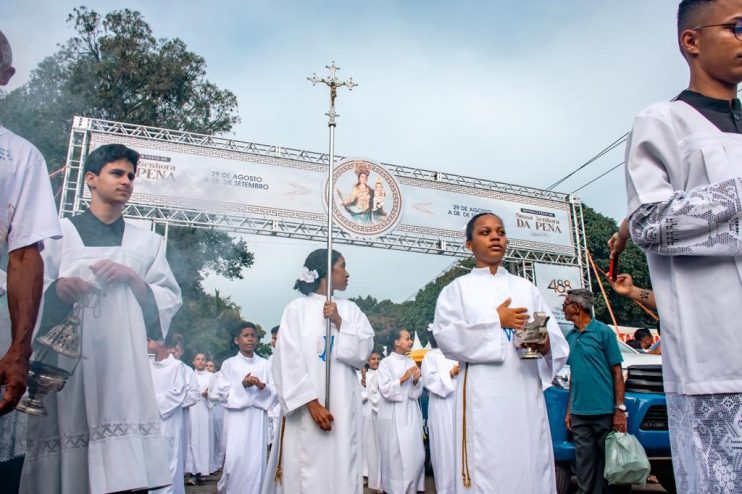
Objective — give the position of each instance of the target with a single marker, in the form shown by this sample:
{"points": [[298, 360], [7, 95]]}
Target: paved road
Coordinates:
{"points": [[210, 487]]}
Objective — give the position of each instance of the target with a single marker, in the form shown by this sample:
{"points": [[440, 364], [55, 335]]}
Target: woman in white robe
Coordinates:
{"points": [[103, 432], [500, 409], [246, 386], [175, 388], [400, 421], [440, 376], [319, 450]]}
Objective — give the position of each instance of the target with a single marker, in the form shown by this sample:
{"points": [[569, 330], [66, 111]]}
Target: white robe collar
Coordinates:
{"points": [[248, 359], [166, 362], [501, 271]]}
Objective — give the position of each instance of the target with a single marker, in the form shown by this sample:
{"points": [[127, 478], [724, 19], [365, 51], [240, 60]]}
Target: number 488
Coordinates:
{"points": [[560, 286]]}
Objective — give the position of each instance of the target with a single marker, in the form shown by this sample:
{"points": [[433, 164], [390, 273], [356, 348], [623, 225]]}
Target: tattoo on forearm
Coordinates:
{"points": [[644, 295]]}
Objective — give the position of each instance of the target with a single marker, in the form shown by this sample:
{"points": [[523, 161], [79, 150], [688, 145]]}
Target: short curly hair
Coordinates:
{"points": [[582, 297]]}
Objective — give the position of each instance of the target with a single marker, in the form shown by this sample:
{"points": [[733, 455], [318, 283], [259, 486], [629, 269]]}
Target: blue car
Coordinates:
{"points": [[645, 401]]}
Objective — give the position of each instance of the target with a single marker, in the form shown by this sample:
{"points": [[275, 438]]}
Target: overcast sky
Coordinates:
{"points": [[514, 91]]}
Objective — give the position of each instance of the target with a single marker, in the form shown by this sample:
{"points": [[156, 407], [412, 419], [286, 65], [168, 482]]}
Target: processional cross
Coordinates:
{"points": [[333, 83]]}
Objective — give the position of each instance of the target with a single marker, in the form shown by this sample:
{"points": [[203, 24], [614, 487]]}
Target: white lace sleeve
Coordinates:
{"points": [[702, 221]]}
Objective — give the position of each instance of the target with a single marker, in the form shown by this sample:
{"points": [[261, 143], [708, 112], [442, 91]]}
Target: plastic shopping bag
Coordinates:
{"points": [[625, 460]]}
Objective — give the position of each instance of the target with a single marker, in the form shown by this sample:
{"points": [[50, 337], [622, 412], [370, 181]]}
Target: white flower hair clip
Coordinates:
{"points": [[308, 276]]}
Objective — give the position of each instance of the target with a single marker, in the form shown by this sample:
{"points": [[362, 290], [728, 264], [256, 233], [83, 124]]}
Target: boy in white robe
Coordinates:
{"points": [[201, 434], [370, 442], [318, 450], [103, 432], [176, 345], [684, 189], [175, 388], [246, 386], [400, 421], [217, 420], [371, 436], [440, 376], [500, 410]]}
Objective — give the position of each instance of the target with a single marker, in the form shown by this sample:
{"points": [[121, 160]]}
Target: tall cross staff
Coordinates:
{"points": [[333, 82]]}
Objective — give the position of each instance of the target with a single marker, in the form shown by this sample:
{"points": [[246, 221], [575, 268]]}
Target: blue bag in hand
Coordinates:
{"points": [[625, 460]]}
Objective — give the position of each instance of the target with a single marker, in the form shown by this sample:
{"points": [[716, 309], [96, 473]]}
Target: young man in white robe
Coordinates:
{"points": [[503, 442], [103, 432], [246, 386], [319, 450], [217, 420], [201, 432], [370, 443], [440, 377], [684, 188], [400, 420], [175, 388]]}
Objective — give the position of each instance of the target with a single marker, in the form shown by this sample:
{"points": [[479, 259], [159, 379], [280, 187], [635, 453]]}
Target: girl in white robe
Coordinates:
{"points": [[319, 450], [246, 386], [440, 376], [175, 388], [400, 420], [500, 410]]}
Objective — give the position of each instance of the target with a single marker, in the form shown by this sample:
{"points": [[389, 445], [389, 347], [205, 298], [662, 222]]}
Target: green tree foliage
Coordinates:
{"points": [[384, 316], [114, 68], [207, 321], [212, 323]]}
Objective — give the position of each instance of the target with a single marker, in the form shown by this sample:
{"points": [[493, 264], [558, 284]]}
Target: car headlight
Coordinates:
{"points": [[625, 373]]}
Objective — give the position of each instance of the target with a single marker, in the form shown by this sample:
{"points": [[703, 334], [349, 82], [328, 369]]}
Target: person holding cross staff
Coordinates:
{"points": [[308, 427], [317, 450]]}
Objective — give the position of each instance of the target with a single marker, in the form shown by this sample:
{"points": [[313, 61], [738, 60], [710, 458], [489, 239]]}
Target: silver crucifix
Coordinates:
{"points": [[333, 82]]}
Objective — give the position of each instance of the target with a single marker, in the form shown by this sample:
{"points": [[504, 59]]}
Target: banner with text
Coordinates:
{"points": [[183, 176]]}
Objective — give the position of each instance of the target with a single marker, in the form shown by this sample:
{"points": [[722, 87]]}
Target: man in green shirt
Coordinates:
{"points": [[596, 401]]}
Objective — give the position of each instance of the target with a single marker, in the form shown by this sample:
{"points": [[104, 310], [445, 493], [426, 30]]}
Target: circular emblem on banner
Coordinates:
{"points": [[367, 200]]}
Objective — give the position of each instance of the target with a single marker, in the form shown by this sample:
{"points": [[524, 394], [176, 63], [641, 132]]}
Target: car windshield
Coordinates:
{"points": [[626, 348]]}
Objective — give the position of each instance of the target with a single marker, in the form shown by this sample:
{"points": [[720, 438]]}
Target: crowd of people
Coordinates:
{"points": [[132, 417]]}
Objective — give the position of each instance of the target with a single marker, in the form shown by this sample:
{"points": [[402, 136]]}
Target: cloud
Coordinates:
{"points": [[520, 92]]}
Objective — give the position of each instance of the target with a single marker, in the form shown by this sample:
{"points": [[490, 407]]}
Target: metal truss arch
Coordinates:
{"points": [[521, 253]]}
